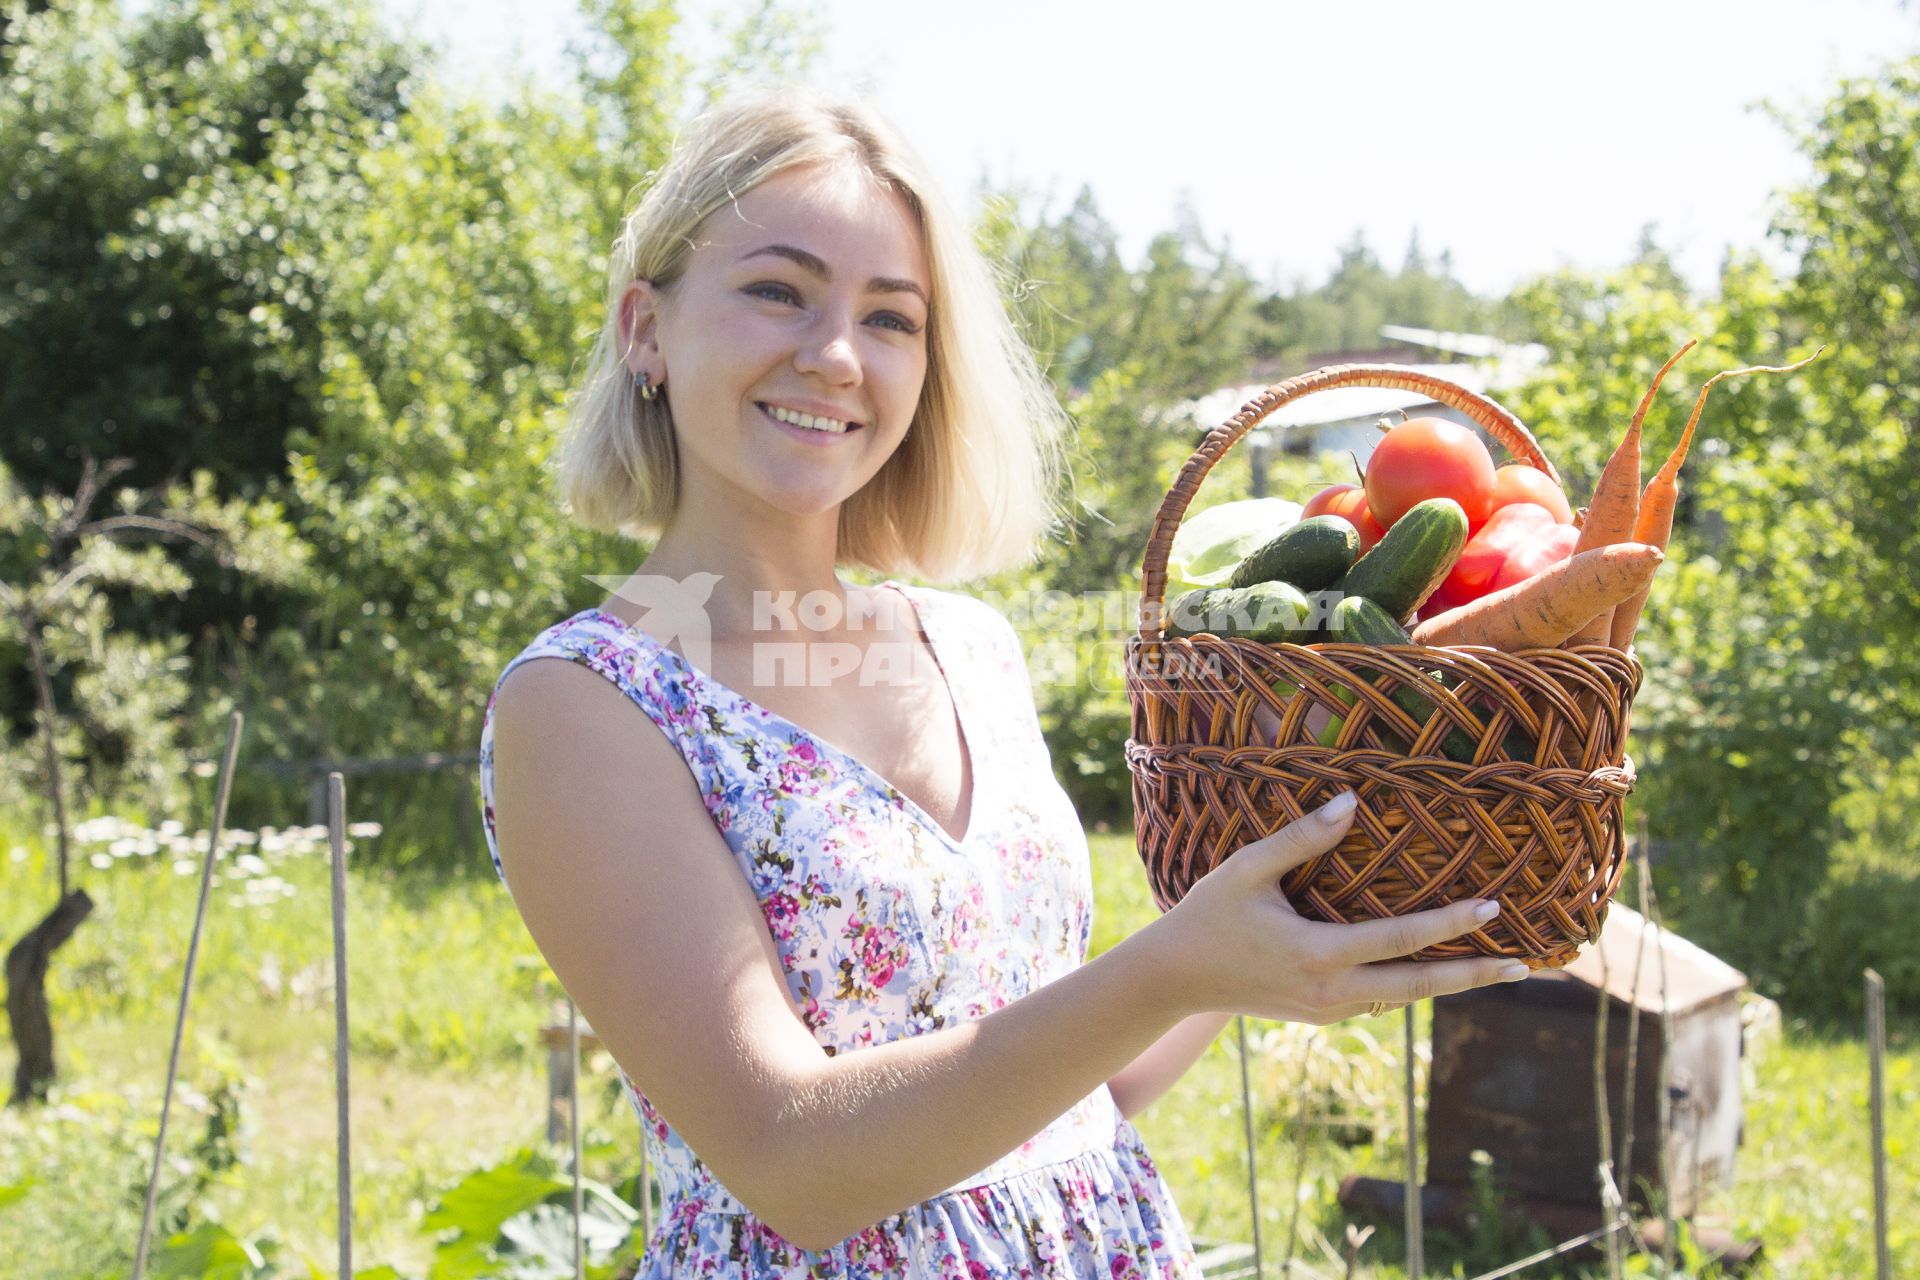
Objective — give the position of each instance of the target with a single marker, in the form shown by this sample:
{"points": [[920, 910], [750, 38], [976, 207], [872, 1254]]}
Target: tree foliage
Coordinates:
{"points": [[1776, 728], [341, 290], [268, 246], [1347, 310], [172, 182], [113, 703]]}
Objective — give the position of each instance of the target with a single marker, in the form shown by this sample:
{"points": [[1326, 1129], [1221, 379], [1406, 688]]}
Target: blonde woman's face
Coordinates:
{"points": [[803, 305]]}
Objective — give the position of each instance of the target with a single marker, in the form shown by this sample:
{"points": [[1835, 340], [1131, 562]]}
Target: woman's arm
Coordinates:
{"points": [[1142, 1081], [639, 907], [892, 1125], [643, 914]]}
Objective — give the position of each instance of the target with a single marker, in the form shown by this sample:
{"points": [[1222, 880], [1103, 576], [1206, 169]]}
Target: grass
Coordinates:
{"points": [[448, 995]]}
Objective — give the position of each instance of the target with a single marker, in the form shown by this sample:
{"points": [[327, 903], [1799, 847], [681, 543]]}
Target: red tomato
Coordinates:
{"points": [[1321, 503], [1349, 502], [1536, 556], [1505, 531], [1523, 482], [1429, 458]]}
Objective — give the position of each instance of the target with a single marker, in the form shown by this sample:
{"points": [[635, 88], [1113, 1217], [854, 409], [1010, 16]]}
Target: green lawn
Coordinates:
{"points": [[448, 995]]}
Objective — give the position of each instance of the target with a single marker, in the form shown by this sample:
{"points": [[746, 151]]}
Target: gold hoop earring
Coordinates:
{"points": [[644, 384]]}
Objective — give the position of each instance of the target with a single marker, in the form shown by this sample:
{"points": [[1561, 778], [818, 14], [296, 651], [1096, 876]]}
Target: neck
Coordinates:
{"points": [[758, 572]]}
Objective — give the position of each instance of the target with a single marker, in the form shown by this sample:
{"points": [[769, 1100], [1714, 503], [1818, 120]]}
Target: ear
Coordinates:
{"points": [[638, 313]]}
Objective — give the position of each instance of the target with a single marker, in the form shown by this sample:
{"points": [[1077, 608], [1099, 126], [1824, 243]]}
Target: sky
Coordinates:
{"points": [[1520, 137]]}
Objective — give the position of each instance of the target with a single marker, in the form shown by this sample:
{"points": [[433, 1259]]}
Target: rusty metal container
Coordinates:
{"points": [[1513, 1072]]}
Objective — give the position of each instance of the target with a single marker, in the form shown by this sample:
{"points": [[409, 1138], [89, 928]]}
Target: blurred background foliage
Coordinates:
{"points": [[268, 254]]}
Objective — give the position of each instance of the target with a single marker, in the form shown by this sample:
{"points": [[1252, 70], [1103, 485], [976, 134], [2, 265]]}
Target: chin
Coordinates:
{"points": [[806, 505]]}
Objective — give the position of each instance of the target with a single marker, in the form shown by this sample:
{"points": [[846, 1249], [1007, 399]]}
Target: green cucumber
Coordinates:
{"points": [[1312, 555], [1271, 612], [1330, 731], [1412, 560], [1359, 620]]}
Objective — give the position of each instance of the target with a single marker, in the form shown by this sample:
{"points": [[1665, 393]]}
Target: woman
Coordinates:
{"points": [[823, 900]]}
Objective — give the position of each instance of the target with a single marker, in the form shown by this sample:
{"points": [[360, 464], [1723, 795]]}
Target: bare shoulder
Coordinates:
{"points": [[637, 904]]}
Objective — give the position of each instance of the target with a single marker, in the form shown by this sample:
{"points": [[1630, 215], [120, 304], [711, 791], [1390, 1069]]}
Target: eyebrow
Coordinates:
{"points": [[815, 266]]}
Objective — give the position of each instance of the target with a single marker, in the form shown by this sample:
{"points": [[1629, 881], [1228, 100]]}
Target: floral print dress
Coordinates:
{"points": [[886, 926]]}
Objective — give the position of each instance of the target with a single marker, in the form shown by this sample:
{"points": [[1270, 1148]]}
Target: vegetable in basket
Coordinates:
{"points": [[1537, 557], [1524, 482], [1424, 458], [1210, 544], [1521, 535], [1653, 524], [1312, 556], [1616, 501], [1349, 502], [1271, 612], [1546, 610], [1412, 560]]}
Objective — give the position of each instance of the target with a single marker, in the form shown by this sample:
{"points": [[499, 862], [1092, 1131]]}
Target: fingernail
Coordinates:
{"points": [[1513, 972], [1338, 807], [1486, 911]]}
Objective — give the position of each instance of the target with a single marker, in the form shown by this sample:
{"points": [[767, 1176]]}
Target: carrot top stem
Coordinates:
{"points": [[1646, 401], [1670, 469]]}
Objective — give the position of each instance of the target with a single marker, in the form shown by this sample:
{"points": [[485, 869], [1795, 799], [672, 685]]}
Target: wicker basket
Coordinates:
{"points": [[1511, 788]]}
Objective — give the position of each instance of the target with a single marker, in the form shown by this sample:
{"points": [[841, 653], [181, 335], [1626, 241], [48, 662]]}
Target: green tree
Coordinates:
{"points": [[171, 181], [1347, 310], [286, 251], [1776, 727], [174, 180], [107, 704], [1125, 345]]}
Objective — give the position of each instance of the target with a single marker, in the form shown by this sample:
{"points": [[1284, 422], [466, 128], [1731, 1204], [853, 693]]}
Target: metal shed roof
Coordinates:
{"points": [[1342, 404], [1487, 363], [1629, 941]]}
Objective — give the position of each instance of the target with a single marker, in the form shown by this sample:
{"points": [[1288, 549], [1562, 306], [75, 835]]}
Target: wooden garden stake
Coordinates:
{"points": [[1416, 1244], [1651, 902], [225, 788], [1629, 1102], [343, 1194], [573, 1130], [1877, 1110], [1246, 1114], [1299, 1156], [1609, 1209]]}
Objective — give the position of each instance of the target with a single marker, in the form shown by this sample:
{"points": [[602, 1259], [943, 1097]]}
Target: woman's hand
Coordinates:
{"points": [[1236, 945]]}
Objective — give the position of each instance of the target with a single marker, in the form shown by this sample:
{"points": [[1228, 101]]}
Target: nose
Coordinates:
{"points": [[827, 348]]}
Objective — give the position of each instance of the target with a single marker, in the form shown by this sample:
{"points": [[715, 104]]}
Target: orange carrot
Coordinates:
{"points": [[1654, 523], [1542, 611], [1616, 498]]}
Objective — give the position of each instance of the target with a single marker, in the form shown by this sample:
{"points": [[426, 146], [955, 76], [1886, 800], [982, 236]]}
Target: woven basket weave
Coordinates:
{"points": [[1532, 816]]}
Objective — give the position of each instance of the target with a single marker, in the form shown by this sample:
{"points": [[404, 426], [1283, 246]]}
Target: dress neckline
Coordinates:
{"points": [[968, 727]]}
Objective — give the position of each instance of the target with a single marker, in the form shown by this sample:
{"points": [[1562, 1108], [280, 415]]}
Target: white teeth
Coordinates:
{"points": [[832, 426]]}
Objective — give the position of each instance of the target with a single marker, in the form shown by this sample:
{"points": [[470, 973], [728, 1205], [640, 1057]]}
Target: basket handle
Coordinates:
{"points": [[1498, 422]]}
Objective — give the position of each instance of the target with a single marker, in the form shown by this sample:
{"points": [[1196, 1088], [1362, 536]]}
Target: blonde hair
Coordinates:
{"points": [[970, 491]]}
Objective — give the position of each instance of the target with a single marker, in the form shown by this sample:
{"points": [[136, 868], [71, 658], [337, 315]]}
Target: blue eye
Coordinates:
{"points": [[774, 291], [765, 287]]}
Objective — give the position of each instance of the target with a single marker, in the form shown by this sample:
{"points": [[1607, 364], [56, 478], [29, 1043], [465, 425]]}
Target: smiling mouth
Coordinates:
{"points": [[807, 422]]}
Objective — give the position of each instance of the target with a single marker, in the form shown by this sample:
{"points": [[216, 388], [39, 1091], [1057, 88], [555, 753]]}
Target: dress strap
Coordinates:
{"points": [[631, 661]]}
